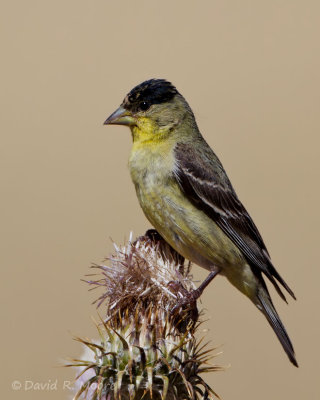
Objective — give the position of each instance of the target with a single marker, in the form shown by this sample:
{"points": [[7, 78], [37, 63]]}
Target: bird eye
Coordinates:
{"points": [[144, 106]]}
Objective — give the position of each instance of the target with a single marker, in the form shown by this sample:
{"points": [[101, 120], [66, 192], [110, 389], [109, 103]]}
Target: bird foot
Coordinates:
{"points": [[188, 301]]}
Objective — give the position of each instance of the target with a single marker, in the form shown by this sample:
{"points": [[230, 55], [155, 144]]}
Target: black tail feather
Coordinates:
{"points": [[274, 320]]}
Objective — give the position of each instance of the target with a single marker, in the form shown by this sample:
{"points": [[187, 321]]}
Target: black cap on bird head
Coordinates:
{"points": [[140, 99], [144, 95]]}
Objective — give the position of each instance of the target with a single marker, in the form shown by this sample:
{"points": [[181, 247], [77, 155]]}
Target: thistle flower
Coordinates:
{"points": [[145, 351]]}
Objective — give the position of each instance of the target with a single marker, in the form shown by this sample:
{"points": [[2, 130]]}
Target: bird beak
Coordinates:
{"points": [[120, 117]]}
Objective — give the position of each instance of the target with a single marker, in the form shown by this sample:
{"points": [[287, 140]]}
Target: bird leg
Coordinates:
{"points": [[192, 297], [198, 292]]}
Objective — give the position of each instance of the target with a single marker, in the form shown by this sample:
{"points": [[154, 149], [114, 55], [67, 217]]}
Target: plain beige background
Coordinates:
{"points": [[250, 71]]}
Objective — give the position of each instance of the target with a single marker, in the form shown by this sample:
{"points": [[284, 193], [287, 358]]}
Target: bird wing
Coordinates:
{"points": [[203, 179]]}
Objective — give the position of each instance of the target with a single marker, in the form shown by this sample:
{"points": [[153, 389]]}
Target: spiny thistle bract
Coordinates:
{"points": [[145, 351]]}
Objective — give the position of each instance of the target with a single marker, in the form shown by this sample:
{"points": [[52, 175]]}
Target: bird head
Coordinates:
{"points": [[152, 110]]}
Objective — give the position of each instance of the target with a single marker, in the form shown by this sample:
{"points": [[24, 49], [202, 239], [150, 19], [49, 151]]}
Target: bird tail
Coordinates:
{"points": [[266, 306]]}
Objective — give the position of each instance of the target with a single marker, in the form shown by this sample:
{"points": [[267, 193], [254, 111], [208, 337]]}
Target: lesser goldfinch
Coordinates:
{"points": [[186, 194]]}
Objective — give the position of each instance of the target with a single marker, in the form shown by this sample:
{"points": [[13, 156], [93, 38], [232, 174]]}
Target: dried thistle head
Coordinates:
{"points": [[146, 272], [144, 351]]}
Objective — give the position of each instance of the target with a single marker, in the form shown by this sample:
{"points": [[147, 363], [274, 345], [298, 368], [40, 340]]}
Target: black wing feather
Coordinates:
{"points": [[203, 179]]}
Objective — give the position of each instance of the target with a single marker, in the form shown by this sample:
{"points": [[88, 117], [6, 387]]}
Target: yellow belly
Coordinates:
{"points": [[188, 230], [185, 227]]}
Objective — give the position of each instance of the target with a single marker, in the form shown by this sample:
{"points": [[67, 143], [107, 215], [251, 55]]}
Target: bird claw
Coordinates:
{"points": [[190, 298], [188, 302]]}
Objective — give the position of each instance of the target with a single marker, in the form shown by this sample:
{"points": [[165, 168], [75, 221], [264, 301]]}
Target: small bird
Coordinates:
{"points": [[187, 196]]}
